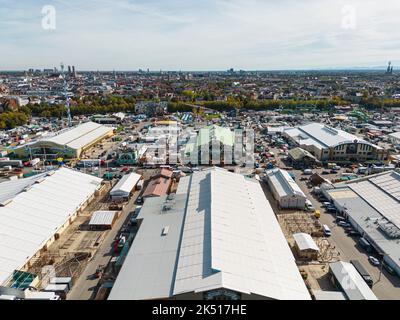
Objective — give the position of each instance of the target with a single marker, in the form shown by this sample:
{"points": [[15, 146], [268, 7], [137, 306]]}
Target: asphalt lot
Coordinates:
{"points": [[86, 286]]}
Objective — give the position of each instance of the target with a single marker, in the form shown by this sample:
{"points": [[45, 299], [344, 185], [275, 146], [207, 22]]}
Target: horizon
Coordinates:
{"points": [[328, 69]]}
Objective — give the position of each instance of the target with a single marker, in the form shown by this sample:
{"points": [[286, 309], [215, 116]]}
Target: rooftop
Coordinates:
{"points": [[305, 242], [351, 281], [322, 136], [79, 136], [222, 233], [284, 183], [34, 215]]}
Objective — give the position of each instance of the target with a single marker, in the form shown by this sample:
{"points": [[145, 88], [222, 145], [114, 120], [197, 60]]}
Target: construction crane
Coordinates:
{"points": [[65, 93]]}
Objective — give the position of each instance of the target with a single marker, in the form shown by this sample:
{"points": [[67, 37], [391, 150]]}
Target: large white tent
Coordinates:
{"points": [[31, 216]]}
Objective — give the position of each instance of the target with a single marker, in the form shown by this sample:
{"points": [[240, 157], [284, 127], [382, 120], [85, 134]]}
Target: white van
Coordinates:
{"points": [[327, 231]]}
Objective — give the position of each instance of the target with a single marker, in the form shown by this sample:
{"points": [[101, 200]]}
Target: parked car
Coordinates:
{"points": [[354, 233], [389, 269], [344, 224], [333, 171], [374, 261], [325, 204], [139, 200], [330, 209], [325, 172]]}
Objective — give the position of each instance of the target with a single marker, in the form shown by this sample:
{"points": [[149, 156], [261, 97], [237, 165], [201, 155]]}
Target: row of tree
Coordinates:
{"points": [[232, 104], [9, 120], [376, 103]]}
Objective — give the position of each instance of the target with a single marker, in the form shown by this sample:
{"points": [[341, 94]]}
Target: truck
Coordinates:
{"points": [[364, 274]]}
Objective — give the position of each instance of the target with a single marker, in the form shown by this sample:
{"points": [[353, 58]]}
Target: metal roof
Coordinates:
{"points": [[284, 183], [9, 189], [102, 218], [323, 136], [34, 216], [125, 186], [366, 210], [351, 281], [77, 137], [382, 192], [299, 154], [305, 242], [149, 268], [223, 233]]}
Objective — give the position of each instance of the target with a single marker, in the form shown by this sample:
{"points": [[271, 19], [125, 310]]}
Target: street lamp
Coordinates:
{"points": [[381, 266]]}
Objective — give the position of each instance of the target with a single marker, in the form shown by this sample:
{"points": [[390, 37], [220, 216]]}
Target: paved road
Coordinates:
{"points": [[85, 286]]}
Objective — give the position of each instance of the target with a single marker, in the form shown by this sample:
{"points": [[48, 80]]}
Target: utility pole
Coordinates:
{"points": [[65, 93], [381, 267]]}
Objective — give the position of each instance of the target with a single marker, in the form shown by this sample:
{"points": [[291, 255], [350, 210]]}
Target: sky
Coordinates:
{"points": [[199, 34]]}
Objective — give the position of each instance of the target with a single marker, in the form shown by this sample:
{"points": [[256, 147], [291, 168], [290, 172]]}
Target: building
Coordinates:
{"points": [[285, 190], [347, 279], [212, 145], [372, 207], [330, 144], [159, 185], [301, 158], [124, 188], [35, 210], [216, 238], [103, 220], [305, 247], [69, 143]]}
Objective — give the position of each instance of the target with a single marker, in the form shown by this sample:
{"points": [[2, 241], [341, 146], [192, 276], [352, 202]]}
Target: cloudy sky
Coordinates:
{"points": [[199, 34]]}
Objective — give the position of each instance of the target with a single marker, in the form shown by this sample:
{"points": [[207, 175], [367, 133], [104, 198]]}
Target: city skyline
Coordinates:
{"points": [[191, 36]]}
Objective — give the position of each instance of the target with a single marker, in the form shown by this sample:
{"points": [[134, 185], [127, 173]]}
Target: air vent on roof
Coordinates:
{"points": [[39, 180], [165, 231], [331, 130], [27, 188], [390, 230], [167, 207]]}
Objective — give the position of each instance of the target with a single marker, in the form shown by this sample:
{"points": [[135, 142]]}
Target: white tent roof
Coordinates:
{"points": [[305, 242], [103, 218], [79, 136], [35, 215], [125, 186], [351, 281], [323, 136], [284, 183], [231, 239], [223, 233]]}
